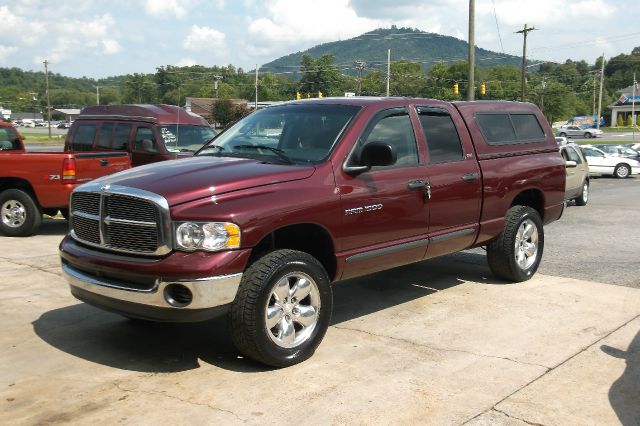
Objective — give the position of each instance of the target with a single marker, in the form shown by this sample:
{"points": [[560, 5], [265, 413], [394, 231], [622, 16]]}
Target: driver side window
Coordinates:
{"points": [[395, 129]]}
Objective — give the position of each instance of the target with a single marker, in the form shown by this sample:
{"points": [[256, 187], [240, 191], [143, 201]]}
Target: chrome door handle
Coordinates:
{"points": [[470, 177], [416, 185]]}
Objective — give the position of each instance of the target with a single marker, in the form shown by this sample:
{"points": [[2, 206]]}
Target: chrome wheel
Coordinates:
{"points": [[622, 171], [585, 192], [526, 244], [292, 310], [13, 214]]}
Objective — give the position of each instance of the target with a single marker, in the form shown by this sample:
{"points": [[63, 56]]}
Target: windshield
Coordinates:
{"points": [[294, 133], [8, 139], [187, 138]]}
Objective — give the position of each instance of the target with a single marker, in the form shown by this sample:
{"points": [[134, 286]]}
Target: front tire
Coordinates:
{"points": [[588, 135], [622, 171], [516, 254], [584, 195], [282, 309], [563, 135], [20, 215]]}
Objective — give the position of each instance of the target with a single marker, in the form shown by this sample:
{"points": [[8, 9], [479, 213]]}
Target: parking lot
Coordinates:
{"points": [[438, 342]]}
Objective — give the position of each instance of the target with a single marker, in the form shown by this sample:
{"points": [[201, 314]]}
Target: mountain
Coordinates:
{"points": [[405, 44]]}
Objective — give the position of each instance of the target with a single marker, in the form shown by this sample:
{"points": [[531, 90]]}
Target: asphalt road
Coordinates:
{"points": [[598, 242]]}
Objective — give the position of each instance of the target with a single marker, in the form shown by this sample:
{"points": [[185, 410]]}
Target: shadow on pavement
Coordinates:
{"points": [[624, 394], [53, 227], [108, 339]]}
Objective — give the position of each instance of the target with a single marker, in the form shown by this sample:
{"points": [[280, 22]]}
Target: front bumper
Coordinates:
{"points": [[181, 287]]}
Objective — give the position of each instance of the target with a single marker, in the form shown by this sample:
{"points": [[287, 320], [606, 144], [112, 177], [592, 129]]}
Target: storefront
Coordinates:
{"points": [[624, 107]]}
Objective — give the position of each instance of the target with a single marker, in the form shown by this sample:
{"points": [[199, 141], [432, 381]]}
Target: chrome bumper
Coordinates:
{"points": [[207, 292]]}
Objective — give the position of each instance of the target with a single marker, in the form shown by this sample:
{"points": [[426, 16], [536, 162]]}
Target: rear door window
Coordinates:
{"points": [[443, 141], [121, 137], [83, 137], [104, 140]]}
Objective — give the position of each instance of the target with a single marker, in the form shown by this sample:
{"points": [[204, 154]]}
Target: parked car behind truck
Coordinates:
{"points": [[296, 196], [33, 183], [149, 133]]}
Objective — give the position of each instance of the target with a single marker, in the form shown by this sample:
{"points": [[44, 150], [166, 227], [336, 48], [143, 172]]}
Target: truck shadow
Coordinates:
{"points": [[624, 392], [108, 339], [53, 227]]}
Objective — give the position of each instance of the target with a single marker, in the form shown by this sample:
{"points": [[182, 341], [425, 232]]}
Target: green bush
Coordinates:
{"points": [[620, 121], [629, 121]]}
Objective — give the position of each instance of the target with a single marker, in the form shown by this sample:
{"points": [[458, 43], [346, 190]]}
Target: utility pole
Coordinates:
{"points": [[46, 85], [600, 97], [388, 70], [216, 79], [256, 105], [97, 95], [472, 50], [633, 109], [360, 65], [523, 89], [594, 94], [544, 85]]}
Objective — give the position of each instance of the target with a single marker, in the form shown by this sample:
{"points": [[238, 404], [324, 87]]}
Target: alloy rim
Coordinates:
{"points": [[13, 214], [292, 310], [526, 244]]}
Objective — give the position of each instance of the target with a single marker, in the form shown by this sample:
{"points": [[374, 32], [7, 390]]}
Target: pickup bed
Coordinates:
{"points": [[293, 197], [33, 183]]}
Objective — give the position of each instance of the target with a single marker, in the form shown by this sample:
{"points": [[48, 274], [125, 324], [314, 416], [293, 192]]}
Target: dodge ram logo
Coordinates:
{"points": [[358, 210]]}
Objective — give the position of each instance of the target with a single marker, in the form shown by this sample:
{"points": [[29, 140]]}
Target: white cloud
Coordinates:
{"points": [[6, 51], [111, 47], [15, 27], [163, 8], [203, 38], [289, 23], [186, 62]]}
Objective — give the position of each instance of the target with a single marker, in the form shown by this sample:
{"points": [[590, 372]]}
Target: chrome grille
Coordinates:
{"points": [[121, 219]]}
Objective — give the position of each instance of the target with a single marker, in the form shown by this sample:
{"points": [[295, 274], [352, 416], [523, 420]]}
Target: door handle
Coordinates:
{"points": [[416, 185], [470, 177], [104, 162]]}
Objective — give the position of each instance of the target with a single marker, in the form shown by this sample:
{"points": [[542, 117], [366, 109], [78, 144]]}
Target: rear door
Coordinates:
{"points": [[454, 179]]}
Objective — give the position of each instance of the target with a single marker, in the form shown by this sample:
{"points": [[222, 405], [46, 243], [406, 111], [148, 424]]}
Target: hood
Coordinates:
{"points": [[180, 181]]}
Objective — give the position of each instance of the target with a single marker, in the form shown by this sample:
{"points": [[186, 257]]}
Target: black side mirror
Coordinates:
{"points": [[373, 154]]}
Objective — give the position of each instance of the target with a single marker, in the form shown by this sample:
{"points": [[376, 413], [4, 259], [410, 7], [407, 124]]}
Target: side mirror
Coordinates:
{"points": [[570, 164], [373, 154]]}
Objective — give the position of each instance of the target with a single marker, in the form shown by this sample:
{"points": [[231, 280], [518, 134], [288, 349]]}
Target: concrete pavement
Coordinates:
{"points": [[439, 342]]}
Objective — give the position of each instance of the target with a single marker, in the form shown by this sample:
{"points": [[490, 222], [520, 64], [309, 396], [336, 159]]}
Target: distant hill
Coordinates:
{"points": [[405, 44]]}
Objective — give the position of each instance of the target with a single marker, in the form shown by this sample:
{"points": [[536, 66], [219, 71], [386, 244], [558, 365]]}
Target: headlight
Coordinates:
{"points": [[212, 236]]}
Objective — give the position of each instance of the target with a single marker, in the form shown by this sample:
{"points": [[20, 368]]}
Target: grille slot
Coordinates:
{"points": [[119, 220], [86, 202], [129, 208], [87, 229]]}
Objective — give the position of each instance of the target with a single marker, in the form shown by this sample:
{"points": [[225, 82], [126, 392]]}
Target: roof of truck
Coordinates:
{"points": [[159, 114]]}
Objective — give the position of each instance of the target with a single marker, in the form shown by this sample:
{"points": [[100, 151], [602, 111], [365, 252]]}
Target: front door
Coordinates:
{"points": [[385, 211]]}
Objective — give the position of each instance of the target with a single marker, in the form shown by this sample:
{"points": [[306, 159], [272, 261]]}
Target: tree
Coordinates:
{"points": [[319, 75], [138, 89]]}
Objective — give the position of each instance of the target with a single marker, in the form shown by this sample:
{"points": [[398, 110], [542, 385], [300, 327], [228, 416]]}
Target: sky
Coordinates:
{"points": [[105, 38]]}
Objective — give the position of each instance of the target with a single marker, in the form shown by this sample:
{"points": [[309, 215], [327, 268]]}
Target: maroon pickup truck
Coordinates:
{"points": [[296, 196], [33, 183]]}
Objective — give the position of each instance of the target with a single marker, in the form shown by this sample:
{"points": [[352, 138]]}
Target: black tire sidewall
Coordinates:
{"points": [[33, 211], [580, 200]]}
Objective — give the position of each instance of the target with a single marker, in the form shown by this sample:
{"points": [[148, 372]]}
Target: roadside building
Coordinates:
{"points": [[624, 106], [70, 114], [5, 114]]}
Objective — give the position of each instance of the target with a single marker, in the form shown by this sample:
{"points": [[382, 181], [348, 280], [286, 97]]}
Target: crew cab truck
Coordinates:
{"points": [[296, 196], [33, 183], [149, 133]]}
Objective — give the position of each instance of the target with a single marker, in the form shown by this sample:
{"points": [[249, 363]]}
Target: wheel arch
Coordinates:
{"points": [[17, 183], [533, 198], [310, 238]]}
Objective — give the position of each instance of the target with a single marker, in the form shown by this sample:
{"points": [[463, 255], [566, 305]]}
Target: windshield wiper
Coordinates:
{"points": [[218, 148], [278, 152]]}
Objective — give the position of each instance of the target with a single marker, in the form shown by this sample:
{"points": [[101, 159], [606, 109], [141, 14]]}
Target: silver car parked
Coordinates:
{"points": [[576, 131], [577, 173]]}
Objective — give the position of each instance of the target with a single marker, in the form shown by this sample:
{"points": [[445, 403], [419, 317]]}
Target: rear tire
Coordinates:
{"points": [[622, 171], [282, 309], [516, 254], [563, 135], [584, 195], [20, 215], [588, 135]]}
